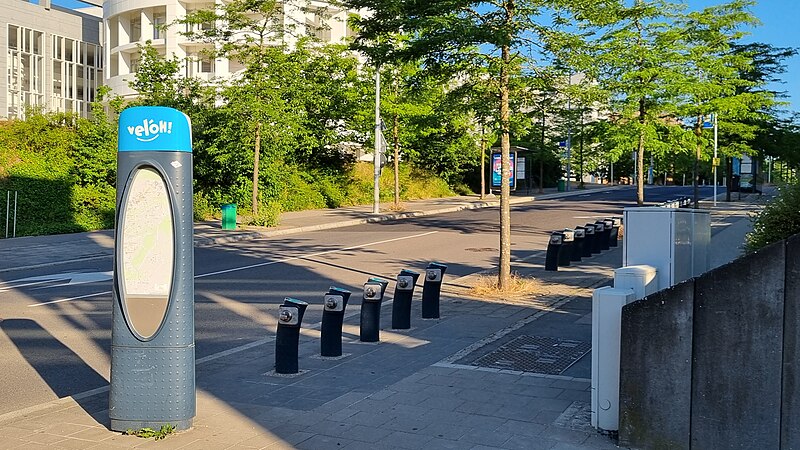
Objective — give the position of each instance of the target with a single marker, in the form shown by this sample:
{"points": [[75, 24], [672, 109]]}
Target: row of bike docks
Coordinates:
{"points": [[574, 244], [290, 314]]}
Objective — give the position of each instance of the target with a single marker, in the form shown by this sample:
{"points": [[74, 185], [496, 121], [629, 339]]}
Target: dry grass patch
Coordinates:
{"points": [[518, 288]]}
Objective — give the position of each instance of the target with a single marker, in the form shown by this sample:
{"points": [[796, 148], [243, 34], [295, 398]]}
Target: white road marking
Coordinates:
{"points": [[251, 266]]}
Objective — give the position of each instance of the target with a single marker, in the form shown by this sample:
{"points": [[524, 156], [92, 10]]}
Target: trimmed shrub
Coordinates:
{"points": [[779, 219]]}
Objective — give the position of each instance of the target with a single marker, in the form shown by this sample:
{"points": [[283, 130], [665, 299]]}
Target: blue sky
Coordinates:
{"points": [[780, 28]]}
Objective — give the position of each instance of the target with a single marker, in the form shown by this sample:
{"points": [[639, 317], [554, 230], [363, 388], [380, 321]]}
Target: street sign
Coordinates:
{"points": [[715, 162]]}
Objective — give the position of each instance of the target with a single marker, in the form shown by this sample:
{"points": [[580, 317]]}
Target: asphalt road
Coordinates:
{"points": [[55, 334]]}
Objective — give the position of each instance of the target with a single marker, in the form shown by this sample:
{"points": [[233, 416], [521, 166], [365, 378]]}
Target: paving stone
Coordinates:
{"points": [[320, 442], [528, 443], [444, 430], [369, 419], [368, 434], [401, 439]]}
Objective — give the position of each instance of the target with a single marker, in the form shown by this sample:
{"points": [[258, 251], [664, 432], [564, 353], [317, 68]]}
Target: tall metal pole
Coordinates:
{"points": [[569, 133], [376, 198], [715, 159], [8, 209], [14, 234]]}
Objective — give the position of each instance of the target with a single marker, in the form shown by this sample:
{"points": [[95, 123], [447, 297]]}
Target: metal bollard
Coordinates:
{"points": [[565, 255], [403, 293], [553, 250], [604, 234], [335, 301], [617, 222], [370, 329], [290, 316], [599, 229], [577, 244], [609, 229], [431, 290], [588, 240]]}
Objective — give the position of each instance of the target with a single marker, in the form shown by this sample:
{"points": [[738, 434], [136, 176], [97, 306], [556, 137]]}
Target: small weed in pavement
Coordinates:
{"points": [[151, 433]]}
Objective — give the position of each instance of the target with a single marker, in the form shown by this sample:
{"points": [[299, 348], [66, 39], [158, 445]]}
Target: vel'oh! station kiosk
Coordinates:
{"points": [[152, 338]]}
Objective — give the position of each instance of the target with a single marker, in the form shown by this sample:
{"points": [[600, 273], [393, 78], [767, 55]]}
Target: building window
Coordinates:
{"points": [[159, 24], [136, 28], [75, 74], [316, 26], [25, 73]]}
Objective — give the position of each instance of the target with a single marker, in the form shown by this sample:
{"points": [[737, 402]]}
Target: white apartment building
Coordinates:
{"points": [[130, 23], [53, 57]]}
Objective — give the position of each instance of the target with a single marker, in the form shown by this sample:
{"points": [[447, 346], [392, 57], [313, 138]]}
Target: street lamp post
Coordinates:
{"points": [[715, 159], [376, 198]]}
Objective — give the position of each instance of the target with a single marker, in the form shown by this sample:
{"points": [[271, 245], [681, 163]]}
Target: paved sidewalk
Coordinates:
{"points": [[440, 384]]}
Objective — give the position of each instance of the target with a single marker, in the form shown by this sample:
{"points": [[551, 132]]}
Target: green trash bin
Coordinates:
{"points": [[562, 185], [229, 216]]}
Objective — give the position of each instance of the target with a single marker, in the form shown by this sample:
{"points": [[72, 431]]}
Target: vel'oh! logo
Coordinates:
{"points": [[150, 130]]}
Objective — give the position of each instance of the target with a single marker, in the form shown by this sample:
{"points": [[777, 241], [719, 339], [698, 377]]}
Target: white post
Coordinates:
{"points": [[376, 198], [607, 303], [715, 159]]}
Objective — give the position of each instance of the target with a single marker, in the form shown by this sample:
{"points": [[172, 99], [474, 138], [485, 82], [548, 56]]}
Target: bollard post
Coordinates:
{"points": [[370, 329], [565, 254], [553, 251], [287, 338], [334, 303], [403, 293], [577, 244], [599, 231], [588, 240], [431, 290], [608, 230]]}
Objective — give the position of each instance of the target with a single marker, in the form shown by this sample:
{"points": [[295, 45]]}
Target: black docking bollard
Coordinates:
{"points": [[553, 251], [290, 316], [577, 244], [588, 240], [599, 236], [335, 301], [370, 330], [565, 255], [403, 293], [431, 290], [605, 243], [612, 232]]}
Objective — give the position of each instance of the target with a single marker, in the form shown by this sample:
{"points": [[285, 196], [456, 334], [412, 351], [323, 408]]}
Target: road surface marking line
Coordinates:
{"points": [[278, 261], [312, 255], [69, 299]]}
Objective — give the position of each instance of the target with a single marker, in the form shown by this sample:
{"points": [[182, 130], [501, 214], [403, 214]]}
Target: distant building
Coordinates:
{"points": [[53, 58], [129, 24]]}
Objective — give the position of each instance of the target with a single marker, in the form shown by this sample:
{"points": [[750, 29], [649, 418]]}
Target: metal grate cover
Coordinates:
{"points": [[537, 354]]}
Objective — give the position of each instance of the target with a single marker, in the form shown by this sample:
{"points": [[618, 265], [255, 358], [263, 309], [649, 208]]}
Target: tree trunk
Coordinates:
{"points": [[504, 275], [640, 156], [728, 178], [256, 157]]}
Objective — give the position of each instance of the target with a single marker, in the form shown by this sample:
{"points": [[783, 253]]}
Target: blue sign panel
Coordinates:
{"points": [[154, 128], [497, 172]]}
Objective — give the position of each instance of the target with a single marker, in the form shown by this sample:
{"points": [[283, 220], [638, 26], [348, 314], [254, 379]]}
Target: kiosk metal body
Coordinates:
{"points": [[152, 337]]}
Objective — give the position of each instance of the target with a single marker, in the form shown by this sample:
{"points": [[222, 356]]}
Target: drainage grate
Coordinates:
{"points": [[537, 354]]}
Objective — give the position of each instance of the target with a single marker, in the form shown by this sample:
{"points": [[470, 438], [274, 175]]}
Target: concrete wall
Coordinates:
{"points": [[713, 362]]}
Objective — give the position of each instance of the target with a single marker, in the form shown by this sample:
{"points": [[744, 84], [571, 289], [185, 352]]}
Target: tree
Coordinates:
{"points": [[449, 36], [636, 61], [712, 82]]}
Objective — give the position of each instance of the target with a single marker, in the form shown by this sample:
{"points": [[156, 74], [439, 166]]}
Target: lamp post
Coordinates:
{"points": [[376, 191], [715, 159]]}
